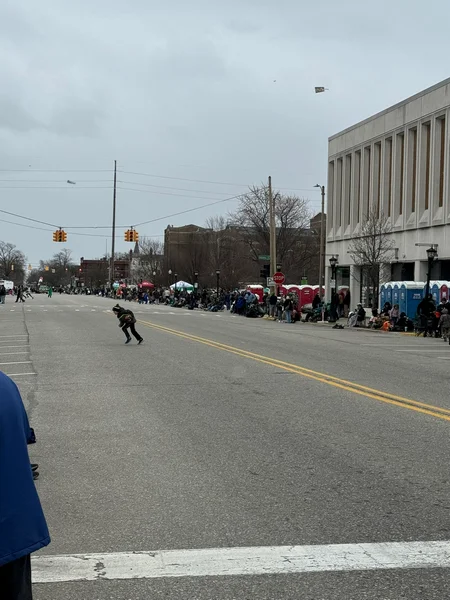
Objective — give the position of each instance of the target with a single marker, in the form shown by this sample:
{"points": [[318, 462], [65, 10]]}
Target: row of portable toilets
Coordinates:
{"points": [[304, 293], [408, 294]]}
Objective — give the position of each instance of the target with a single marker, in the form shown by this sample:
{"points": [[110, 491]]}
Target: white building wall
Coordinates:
{"points": [[397, 160]]}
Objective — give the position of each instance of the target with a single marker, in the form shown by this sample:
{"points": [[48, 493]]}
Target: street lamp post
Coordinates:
{"points": [[170, 277], [322, 239], [432, 256], [218, 281], [333, 265], [176, 277], [154, 278]]}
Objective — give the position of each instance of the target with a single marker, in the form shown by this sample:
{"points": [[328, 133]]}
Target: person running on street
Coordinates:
{"points": [[127, 321]]}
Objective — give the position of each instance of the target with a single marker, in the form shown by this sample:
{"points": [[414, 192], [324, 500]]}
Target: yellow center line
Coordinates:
{"points": [[386, 397]]}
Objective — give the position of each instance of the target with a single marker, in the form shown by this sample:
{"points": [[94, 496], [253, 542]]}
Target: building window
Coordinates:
{"points": [[331, 196], [425, 157], [388, 175], [358, 184], [348, 187], [412, 170], [400, 169], [366, 182], [339, 184], [441, 126], [377, 177]]}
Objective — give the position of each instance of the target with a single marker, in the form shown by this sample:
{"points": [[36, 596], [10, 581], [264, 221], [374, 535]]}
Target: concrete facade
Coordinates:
{"points": [[397, 164]]}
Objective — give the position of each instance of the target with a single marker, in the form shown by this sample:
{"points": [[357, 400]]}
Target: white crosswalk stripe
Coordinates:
{"points": [[241, 561]]}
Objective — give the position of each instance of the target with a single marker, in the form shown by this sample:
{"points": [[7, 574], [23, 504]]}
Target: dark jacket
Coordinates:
{"points": [[2, 290], [124, 315], [23, 529]]}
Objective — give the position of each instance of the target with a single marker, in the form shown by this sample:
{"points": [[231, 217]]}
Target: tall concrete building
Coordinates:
{"points": [[395, 163]]}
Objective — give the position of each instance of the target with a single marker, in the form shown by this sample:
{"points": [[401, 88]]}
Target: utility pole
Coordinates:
{"points": [[113, 241], [273, 234], [322, 246]]}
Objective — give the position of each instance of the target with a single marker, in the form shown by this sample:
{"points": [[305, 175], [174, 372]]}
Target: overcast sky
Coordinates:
{"points": [[199, 89]]}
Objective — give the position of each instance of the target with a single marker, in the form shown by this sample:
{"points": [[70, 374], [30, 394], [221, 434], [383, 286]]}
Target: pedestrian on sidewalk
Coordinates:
{"points": [[288, 306], [2, 294], [23, 529], [273, 305], [127, 321], [444, 324]]}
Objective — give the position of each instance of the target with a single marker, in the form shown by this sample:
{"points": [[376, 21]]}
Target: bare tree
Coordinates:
{"points": [[297, 245], [372, 250], [55, 271], [149, 260], [12, 263]]}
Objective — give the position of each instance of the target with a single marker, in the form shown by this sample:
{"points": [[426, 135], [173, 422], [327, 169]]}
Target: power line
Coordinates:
{"points": [[183, 212], [55, 170], [53, 181], [167, 187], [185, 179], [55, 187]]}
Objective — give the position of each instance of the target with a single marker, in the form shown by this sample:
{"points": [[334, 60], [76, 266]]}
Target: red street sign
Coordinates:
{"points": [[279, 278]]}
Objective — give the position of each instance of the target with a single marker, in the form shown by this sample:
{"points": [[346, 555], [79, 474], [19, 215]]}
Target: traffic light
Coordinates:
{"points": [[30, 268], [55, 236], [131, 235], [63, 236]]}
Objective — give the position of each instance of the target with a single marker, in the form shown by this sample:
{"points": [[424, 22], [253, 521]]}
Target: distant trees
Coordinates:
{"points": [[292, 216], [12, 263], [234, 244], [55, 271]]}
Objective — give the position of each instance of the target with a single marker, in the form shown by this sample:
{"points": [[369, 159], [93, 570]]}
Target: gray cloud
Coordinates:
{"points": [[160, 85]]}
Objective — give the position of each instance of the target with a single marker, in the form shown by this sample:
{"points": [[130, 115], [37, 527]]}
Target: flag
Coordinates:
{"points": [[319, 90]]}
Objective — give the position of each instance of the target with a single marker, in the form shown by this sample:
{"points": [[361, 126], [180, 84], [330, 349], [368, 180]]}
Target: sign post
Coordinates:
{"points": [[278, 279]]}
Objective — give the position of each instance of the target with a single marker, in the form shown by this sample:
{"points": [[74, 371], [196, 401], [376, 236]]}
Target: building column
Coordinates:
{"points": [[420, 270]]}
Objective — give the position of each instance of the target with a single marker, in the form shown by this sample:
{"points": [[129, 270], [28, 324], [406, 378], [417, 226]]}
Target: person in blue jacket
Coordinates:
{"points": [[23, 528]]}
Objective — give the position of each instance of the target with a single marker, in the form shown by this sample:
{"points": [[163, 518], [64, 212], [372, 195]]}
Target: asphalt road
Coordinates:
{"points": [[226, 432]]}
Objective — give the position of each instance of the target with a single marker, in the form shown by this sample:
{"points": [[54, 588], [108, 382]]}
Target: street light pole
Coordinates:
{"points": [[322, 239], [176, 277], [113, 241], [218, 282], [333, 265], [272, 233], [170, 277], [432, 257]]}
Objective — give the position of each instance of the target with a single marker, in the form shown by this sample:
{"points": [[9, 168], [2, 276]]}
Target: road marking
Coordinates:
{"points": [[356, 388], [25, 362], [19, 374], [18, 335], [241, 561], [11, 353], [21, 346], [421, 350]]}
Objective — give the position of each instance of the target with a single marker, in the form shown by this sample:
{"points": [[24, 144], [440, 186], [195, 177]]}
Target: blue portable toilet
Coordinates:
{"points": [[436, 290], [411, 293], [395, 292], [382, 294], [388, 290]]}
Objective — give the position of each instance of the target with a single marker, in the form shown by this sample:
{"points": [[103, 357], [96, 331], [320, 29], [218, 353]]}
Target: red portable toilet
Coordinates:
{"points": [[258, 290], [306, 294], [444, 290], [342, 290], [283, 290]]}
